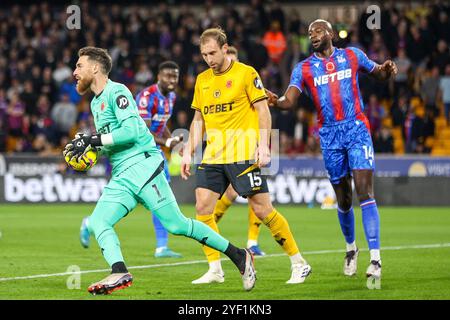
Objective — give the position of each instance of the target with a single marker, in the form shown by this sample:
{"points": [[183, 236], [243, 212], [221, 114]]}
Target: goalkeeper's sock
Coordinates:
{"points": [[371, 223], [237, 256], [119, 267], [221, 207], [279, 228], [110, 246], [254, 225], [211, 254], [347, 222], [162, 236]]}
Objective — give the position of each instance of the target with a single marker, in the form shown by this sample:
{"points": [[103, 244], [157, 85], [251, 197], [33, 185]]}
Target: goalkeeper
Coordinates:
{"points": [[137, 174]]}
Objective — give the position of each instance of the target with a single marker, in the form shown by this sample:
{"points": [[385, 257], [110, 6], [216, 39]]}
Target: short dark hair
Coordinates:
{"points": [[214, 33], [168, 65], [99, 55]]}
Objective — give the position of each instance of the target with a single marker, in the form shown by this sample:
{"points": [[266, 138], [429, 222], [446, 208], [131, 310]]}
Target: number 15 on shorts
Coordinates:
{"points": [[255, 179]]}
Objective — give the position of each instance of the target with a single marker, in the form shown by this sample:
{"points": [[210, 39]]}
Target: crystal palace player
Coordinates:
{"points": [[155, 104], [330, 78]]}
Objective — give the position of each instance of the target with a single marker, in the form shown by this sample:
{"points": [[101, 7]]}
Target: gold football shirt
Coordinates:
{"points": [[226, 103]]}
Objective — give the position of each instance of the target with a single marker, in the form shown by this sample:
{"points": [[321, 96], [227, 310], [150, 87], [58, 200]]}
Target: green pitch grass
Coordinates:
{"points": [[43, 240]]}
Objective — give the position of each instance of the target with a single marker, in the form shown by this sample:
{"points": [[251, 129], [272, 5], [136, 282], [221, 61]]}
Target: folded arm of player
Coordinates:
{"points": [[262, 153], [126, 133], [195, 139]]}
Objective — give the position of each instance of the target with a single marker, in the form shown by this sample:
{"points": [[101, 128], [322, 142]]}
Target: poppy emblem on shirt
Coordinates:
{"points": [[102, 106], [330, 66], [229, 84]]}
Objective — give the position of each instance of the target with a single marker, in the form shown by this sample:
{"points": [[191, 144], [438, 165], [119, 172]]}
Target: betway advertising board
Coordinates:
{"points": [[48, 180], [32, 179]]}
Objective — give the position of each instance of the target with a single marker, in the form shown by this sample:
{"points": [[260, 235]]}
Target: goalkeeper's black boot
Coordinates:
{"points": [[111, 283]]}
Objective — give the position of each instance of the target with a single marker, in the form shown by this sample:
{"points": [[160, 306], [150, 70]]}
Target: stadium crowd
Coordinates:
{"points": [[40, 108]]}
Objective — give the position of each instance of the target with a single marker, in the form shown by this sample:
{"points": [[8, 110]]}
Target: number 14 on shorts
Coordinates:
{"points": [[368, 153]]}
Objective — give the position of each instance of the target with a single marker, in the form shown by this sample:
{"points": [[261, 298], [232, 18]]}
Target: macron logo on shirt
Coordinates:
{"points": [[326, 78]]}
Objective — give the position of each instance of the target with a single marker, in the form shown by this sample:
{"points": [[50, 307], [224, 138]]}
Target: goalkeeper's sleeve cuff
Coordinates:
{"points": [[106, 139]]}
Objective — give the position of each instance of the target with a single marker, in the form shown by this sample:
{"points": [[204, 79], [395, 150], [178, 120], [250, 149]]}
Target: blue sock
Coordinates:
{"points": [[162, 236], [371, 222], [347, 222]]}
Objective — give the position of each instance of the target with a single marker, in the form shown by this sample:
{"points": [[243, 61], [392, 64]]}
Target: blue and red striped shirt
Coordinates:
{"points": [[154, 106], [332, 84]]}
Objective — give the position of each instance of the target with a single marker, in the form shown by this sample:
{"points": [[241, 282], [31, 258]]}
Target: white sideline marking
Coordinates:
{"points": [[419, 246]]}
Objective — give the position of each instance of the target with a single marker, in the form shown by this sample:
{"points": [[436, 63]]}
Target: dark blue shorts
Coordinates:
{"points": [[346, 147]]}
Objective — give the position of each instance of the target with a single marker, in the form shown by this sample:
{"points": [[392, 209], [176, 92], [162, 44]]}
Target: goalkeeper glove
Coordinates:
{"points": [[81, 144]]}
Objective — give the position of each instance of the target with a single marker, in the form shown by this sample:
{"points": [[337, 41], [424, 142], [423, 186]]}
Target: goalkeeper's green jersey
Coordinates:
{"points": [[110, 108]]}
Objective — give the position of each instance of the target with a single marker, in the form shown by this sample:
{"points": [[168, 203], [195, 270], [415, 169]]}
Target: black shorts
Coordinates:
{"points": [[245, 178]]}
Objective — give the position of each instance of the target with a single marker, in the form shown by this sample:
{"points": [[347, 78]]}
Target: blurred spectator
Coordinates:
{"points": [[300, 131], [144, 76], [41, 122], [403, 64], [414, 130], [445, 92], [64, 114], [430, 89], [257, 53], [22, 145], [276, 14], [15, 115], [38, 53], [374, 112], [182, 120], [383, 142], [41, 146], [441, 57], [275, 42], [69, 88], [400, 110], [61, 73], [285, 122], [312, 147], [28, 96]]}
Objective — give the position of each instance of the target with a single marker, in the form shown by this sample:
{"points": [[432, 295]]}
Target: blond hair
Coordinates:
{"points": [[214, 33]]}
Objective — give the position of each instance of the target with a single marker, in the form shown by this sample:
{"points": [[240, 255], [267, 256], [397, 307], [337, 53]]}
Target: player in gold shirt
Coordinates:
{"points": [[222, 205], [231, 108]]}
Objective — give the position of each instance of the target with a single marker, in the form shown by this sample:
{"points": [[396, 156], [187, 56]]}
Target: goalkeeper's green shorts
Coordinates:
{"points": [[125, 188]]}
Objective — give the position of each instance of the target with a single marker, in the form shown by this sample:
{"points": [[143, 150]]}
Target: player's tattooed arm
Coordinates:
{"points": [[385, 71]]}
